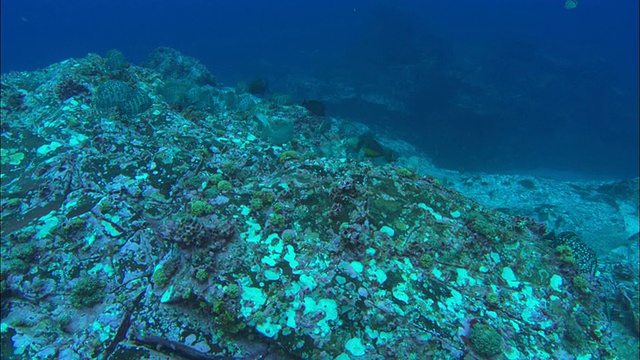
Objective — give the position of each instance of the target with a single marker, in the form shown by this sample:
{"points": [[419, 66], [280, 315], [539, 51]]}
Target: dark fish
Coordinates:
{"points": [[315, 107], [258, 87], [372, 148]]}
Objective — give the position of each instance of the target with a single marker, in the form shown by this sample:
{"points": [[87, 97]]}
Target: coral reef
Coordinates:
{"points": [[118, 95], [172, 65], [162, 231], [115, 60], [69, 88]]}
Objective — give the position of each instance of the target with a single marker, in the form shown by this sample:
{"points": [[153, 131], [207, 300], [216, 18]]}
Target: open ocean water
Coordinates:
{"points": [[319, 180], [484, 86]]}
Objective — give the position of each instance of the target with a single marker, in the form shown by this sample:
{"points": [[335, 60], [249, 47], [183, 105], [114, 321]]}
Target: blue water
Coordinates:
{"points": [[495, 85]]}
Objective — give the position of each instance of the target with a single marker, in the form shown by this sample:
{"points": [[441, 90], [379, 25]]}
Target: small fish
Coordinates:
{"points": [[570, 4]]}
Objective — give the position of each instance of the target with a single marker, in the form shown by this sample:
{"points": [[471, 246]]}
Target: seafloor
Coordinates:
{"points": [[151, 213]]}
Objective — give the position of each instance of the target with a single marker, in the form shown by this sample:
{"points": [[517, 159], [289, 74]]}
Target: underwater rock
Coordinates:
{"points": [[214, 239], [175, 66], [69, 88]]}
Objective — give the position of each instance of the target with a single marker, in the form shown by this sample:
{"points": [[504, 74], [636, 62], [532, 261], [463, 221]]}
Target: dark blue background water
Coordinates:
{"points": [[495, 85]]}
